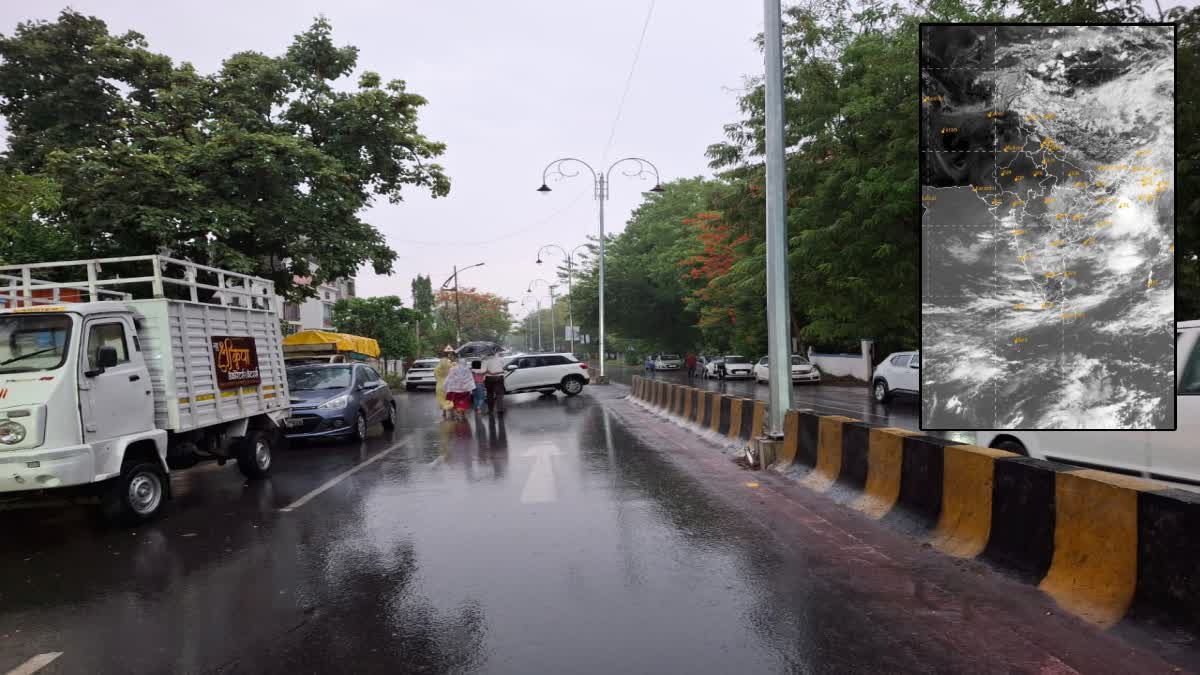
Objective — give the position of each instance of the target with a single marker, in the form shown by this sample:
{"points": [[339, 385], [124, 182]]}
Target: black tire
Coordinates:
{"points": [[410, 387], [389, 422], [1011, 445], [572, 386], [256, 454], [880, 391], [360, 427], [137, 495]]}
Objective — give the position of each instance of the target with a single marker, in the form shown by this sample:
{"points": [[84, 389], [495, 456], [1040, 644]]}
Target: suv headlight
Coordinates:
{"points": [[11, 433], [335, 403]]}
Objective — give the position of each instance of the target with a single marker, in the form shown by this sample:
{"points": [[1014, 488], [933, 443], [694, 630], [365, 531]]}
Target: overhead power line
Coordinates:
{"points": [[637, 53]]}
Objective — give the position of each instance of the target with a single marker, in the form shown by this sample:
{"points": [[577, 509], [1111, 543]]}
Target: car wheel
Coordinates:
{"points": [[1011, 445], [389, 422], [880, 391], [360, 427], [572, 386], [255, 454], [137, 495]]}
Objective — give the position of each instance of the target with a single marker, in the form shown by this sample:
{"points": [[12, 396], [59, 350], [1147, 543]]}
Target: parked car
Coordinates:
{"points": [[420, 375], [731, 366], [802, 370], [546, 373], [668, 362], [899, 373], [1172, 456], [338, 400]]}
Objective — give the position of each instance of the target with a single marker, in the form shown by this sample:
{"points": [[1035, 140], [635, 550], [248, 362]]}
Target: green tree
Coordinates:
{"points": [[383, 318], [25, 233], [422, 292], [484, 316], [263, 167]]}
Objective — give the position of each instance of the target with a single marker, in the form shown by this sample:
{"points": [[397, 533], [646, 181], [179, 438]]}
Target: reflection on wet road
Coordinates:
{"points": [[552, 540]]}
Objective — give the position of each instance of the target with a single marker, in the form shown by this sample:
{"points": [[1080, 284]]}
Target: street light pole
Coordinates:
{"points": [[600, 183], [553, 335], [779, 352], [457, 309], [570, 257]]}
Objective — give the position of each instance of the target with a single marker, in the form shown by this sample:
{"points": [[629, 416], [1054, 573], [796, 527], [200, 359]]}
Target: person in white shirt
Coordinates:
{"points": [[493, 381]]}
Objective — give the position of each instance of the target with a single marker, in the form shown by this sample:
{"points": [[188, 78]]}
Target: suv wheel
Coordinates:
{"points": [[572, 386], [880, 391]]}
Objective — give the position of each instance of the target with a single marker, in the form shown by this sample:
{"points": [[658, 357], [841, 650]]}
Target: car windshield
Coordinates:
{"points": [[799, 361], [736, 360], [308, 379], [670, 357], [424, 364], [31, 342]]}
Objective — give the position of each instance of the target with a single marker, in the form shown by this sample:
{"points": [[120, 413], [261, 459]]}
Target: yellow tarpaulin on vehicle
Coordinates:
{"points": [[342, 341]]}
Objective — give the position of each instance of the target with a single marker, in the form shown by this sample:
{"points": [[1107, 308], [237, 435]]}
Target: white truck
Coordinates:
{"points": [[102, 393]]}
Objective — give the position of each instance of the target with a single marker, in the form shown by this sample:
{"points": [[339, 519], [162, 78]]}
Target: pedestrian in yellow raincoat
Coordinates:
{"points": [[440, 371]]}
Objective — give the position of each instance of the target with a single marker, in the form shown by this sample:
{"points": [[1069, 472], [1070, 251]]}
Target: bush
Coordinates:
{"points": [[394, 381]]}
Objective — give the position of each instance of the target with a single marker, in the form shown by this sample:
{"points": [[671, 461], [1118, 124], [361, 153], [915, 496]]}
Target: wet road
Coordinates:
{"points": [[850, 400], [559, 539]]}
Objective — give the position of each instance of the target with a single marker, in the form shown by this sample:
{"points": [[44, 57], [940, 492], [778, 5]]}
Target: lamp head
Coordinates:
{"points": [[539, 260], [657, 188], [544, 188]]}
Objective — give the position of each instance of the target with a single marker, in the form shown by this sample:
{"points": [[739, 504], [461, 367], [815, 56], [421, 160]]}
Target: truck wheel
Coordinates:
{"points": [[137, 495], [389, 422], [254, 454]]}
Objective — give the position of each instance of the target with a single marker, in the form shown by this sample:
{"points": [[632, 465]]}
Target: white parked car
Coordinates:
{"points": [[420, 374], [546, 373], [730, 366], [1172, 456], [668, 362], [802, 370], [900, 373]]}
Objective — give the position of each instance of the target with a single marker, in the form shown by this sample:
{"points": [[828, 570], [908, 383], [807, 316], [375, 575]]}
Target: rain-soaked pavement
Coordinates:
{"points": [[575, 535]]}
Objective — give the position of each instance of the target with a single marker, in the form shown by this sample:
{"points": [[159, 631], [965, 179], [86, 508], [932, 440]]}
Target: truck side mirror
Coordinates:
{"points": [[106, 357]]}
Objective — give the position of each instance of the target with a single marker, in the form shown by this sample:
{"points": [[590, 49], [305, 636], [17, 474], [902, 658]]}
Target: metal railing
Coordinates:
{"points": [[23, 285]]}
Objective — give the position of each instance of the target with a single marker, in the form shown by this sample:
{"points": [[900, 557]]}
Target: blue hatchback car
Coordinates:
{"points": [[336, 399]]}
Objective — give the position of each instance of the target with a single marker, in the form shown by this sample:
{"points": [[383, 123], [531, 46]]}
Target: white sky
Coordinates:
{"points": [[511, 86]]}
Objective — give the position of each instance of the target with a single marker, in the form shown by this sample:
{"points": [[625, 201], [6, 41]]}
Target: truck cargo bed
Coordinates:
{"points": [[178, 346]]}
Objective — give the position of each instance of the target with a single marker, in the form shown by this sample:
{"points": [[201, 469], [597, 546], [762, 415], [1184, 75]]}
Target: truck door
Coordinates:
{"points": [[119, 400]]}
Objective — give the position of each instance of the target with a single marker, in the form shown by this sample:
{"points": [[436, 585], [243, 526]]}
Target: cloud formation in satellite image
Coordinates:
{"points": [[1048, 227]]}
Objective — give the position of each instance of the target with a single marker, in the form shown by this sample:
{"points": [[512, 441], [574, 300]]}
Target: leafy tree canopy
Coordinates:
{"points": [[383, 318], [262, 167]]}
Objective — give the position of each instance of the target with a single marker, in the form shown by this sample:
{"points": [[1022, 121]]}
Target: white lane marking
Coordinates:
{"points": [[541, 485], [343, 476], [35, 664]]}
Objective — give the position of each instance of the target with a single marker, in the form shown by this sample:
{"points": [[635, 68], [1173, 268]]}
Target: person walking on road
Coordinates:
{"points": [[440, 371], [493, 380], [460, 386], [480, 394], [690, 362]]}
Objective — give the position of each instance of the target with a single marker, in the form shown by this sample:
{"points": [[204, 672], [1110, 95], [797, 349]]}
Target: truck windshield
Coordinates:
{"points": [[301, 379], [33, 342]]}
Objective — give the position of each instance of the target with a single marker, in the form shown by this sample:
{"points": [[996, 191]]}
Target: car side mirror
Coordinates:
{"points": [[511, 366], [914, 365]]}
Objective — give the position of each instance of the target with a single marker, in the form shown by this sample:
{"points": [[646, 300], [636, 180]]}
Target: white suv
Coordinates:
{"points": [[900, 373], [668, 362], [420, 374], [546, 373]]}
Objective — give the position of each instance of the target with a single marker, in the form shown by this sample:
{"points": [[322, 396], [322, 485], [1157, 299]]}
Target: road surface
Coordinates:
{"points": [[575, 535]]}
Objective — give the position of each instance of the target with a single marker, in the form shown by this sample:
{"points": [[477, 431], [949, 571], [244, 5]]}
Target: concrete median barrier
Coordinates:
{"points": [[1106, 547]]}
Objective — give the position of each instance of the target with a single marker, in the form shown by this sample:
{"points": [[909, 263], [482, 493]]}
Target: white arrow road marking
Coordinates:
{"points": [[541, 485], [343, 476], [35, 664]]}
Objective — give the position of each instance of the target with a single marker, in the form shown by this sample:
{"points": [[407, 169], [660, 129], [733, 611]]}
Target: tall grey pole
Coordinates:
{"points": [[778, 303], [570, 305], [602, 188], [539, 311], [457, 311], [553, 336]]}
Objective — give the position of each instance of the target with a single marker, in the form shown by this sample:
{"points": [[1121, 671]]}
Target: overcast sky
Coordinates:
{"points": [[511, 86]]}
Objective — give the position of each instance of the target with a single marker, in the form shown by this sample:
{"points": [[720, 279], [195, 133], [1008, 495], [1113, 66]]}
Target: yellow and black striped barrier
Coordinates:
{"points": [[1107, 547]]}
